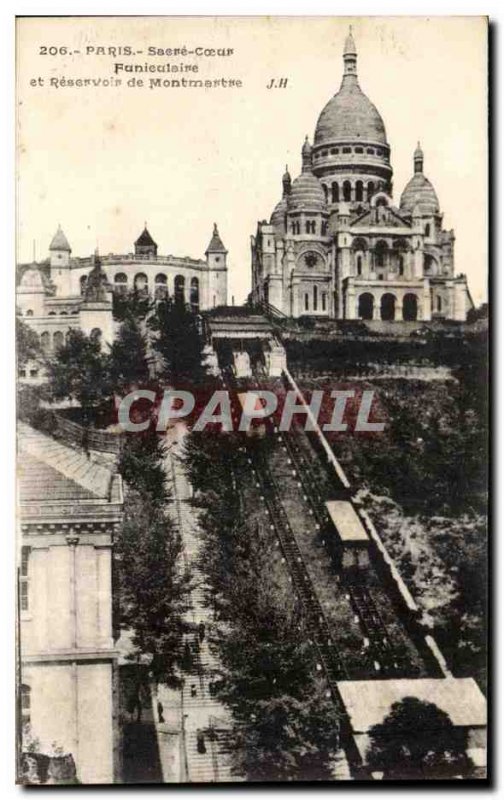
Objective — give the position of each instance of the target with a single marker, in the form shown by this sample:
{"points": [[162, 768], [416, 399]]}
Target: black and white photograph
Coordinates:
{"points": [[252, 400]]}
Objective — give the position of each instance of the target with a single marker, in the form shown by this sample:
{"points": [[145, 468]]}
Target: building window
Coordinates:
{"points": [[370, 190], [24, 579], [22, 372], [34, 373], [401, 265], [45, 341], [370, 151], [359, 265], [427, 230], [324, 187], [324, 301], [306, 302], [366, 306], [315, 298], [347, 191], [25, 704], [335, 193], [346, 150], [359, 191], [439, 303], [179, 289], [380, 254], [29, 313], [83, 282], [57, 340], [359, 149], [194, 298], [141, 282]]}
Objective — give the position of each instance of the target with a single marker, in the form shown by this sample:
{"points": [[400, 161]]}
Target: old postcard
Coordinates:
{"points": [[251, 320]]}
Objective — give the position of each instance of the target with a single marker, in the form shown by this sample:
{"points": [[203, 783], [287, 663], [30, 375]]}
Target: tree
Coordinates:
{"points": [[286, 728], [80, 371], [141, 465], [178, 342], [128, 357], [27, 343], [153, 586], [417, 740]]}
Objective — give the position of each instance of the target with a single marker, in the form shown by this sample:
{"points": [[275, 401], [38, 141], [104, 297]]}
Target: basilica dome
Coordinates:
{"points": [[306, 192], [350, 115], [419, 191]]}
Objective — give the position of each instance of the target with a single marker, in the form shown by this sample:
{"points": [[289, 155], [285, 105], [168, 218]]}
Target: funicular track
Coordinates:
{"points": [[384, 653], [365, 608]]}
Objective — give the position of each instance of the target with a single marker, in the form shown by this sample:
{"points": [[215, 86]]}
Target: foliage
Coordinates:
{"points": [[153, 586], [419, 740], [128, 357], [131, 304], [179, 342], [141, 465], [27, 343], [79, 371], [285, 726]]}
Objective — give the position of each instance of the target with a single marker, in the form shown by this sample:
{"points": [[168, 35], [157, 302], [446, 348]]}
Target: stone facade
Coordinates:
{"points": [[336, 246], [53, 296], [68, 513]]}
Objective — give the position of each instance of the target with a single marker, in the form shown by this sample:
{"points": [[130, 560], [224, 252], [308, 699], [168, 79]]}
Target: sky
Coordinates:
{"points": [[101, 161]]}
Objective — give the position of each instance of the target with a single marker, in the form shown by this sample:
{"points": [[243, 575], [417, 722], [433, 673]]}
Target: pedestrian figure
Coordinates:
{"points": [[194, 691], [160, 711]]}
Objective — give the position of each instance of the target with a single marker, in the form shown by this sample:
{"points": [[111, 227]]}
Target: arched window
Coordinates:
{"points": [[387, 307], [308, 226], [334, 192], [380, 253], [29, 313], [58, 340], [429, 264], [298, 228], [366, 305], [347, 191], [410, 307], [324, 301], [324, 187], [161, 286], [63, 314], [306, 302], [141, 282], [370, 190], [439, 303], [194, 296], [45, 341], [315, 298], [359, 265], [120, 278], [359, 191], [179, 289], [52, 314], [427, 229], [83, 282], [401, 265]]}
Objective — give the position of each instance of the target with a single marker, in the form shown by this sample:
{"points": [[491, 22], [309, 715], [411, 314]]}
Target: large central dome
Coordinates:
{"points": [[350, 115]]}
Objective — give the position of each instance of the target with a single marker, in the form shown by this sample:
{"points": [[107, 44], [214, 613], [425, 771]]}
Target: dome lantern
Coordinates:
{"points": [[418, 159], [350, 55]]}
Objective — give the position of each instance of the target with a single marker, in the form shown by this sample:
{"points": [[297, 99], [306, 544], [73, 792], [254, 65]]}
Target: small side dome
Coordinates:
{"points": [[306, 191], [419, 191]]}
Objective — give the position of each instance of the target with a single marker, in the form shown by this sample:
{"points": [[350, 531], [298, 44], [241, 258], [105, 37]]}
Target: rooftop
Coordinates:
{"points": [[369, 702]]}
